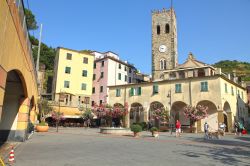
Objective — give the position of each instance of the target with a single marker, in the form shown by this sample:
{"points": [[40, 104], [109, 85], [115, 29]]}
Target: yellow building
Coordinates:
{"points": [[73, 74], [194, 83], [18, 80]]}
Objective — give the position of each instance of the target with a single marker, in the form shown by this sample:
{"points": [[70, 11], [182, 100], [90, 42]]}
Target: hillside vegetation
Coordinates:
{"points": [[242, 69]]}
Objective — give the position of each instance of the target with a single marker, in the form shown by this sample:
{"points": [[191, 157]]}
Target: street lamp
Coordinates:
{"points": [[170, 114]]}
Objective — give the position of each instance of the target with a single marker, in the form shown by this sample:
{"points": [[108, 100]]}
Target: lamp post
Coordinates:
{"points": [[170, 114]]}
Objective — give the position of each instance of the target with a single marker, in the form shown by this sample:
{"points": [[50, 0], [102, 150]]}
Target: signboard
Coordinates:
{"points": [[86, 100], [62, 97]]}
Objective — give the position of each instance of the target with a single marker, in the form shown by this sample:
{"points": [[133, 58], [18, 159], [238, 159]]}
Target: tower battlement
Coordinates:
{"points": [[164, 10]]}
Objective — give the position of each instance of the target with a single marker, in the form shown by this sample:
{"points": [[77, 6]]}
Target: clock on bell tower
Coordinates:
{"points": [[164, 42]]}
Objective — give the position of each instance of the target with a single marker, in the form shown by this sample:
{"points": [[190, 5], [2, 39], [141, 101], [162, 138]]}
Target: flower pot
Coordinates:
{"points": [[136, 134], [193, 129], [155, 133], [42, 128]]}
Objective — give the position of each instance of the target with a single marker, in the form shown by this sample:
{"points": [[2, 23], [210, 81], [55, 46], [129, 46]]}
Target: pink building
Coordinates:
{"points": [[110, 70]]}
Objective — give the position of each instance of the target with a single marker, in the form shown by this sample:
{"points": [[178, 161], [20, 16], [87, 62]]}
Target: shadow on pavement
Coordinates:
{"points": [[237, 153], [224, 142], [243, 138]]}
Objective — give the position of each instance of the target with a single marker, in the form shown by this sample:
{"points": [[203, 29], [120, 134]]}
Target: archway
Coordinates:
{"points": [[119, 105], [14, 97], [226, 113], [212, 118], [155, 106], [119, 121], [177, 113], [201, 72], [136, 114]]}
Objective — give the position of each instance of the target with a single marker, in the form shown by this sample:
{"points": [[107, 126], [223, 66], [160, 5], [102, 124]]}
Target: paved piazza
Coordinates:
{"points": [[79, 146]]}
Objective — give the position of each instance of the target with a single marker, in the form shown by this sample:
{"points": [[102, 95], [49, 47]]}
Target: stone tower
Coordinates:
{"points": [[164, 42]]}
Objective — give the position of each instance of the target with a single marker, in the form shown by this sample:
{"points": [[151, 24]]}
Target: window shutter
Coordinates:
{"points": [[132, 92], [139, 91]]}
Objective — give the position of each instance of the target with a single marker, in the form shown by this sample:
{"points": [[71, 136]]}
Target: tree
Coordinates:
{"points": [[161, 114], [109, 113], [30, 19], [47, 54], [88, 114], [57, 116], [44, 109], [195, 113]]}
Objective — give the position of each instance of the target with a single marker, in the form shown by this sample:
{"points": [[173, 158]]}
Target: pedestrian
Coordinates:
{"points": [[240, 128], [222, 128], [178, 128], [88, 123], [206, 127], [121, 123], [150, 125], [236, 127]]}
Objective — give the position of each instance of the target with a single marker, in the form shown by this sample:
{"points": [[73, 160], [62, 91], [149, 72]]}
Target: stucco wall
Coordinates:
{"points": [[214, 97], [75, 77], [13, 55]]}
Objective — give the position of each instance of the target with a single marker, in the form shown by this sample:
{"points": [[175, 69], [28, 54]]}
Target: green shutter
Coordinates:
{"points": [[139, 91], [156, 88], [132, 92]]}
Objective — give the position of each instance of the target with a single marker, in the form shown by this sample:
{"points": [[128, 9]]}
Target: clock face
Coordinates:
{"points": [[162, 48]]}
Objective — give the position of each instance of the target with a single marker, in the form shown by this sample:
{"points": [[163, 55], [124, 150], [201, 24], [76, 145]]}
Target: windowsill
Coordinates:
{"points": [[204, 91], [178, 92]]}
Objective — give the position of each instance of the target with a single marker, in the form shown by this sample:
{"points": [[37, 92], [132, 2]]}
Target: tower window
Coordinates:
{"points": [[167, 28], [158, 29], [163, 64]]}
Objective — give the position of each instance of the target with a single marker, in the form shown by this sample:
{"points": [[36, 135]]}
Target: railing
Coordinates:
{"points": [[17, 11]]}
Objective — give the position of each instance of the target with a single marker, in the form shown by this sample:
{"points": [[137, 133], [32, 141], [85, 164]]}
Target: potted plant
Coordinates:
{"points": [[136, 129], [42, 127], [154, 131], [44, 110]]}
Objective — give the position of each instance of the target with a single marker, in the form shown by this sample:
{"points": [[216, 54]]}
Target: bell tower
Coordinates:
{"points": [[164, 42]]}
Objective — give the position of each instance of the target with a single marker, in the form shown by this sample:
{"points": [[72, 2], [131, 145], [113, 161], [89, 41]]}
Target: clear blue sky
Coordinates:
{"points": [[213, 30]]}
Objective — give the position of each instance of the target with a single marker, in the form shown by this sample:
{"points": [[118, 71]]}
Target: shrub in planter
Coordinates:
{"points": [[143, 125], [154, 130], [136, 129], [42, 127]]}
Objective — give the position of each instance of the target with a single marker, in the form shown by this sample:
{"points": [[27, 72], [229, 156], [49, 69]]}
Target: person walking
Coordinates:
{"points": [[178, 128], [240, 128], [236, 127], [206, 127]]}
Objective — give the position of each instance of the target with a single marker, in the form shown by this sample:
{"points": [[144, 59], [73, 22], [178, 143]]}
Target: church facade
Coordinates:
{"points": [[175, 86]]}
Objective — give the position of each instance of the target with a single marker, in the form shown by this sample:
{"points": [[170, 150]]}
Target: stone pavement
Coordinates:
{"points": [[79, 146]]}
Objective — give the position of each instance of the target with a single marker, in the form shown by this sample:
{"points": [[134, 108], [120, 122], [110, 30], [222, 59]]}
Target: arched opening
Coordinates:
{"points": [[136, 114], [212, 118], [119, 105], [119, 121], [15, 92], [181, 74], [172, 75], [158, 28], [167, 28], [225, 120], [201, 73], [177, 113], [154, 106], [163, 64], [226, 111]]}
